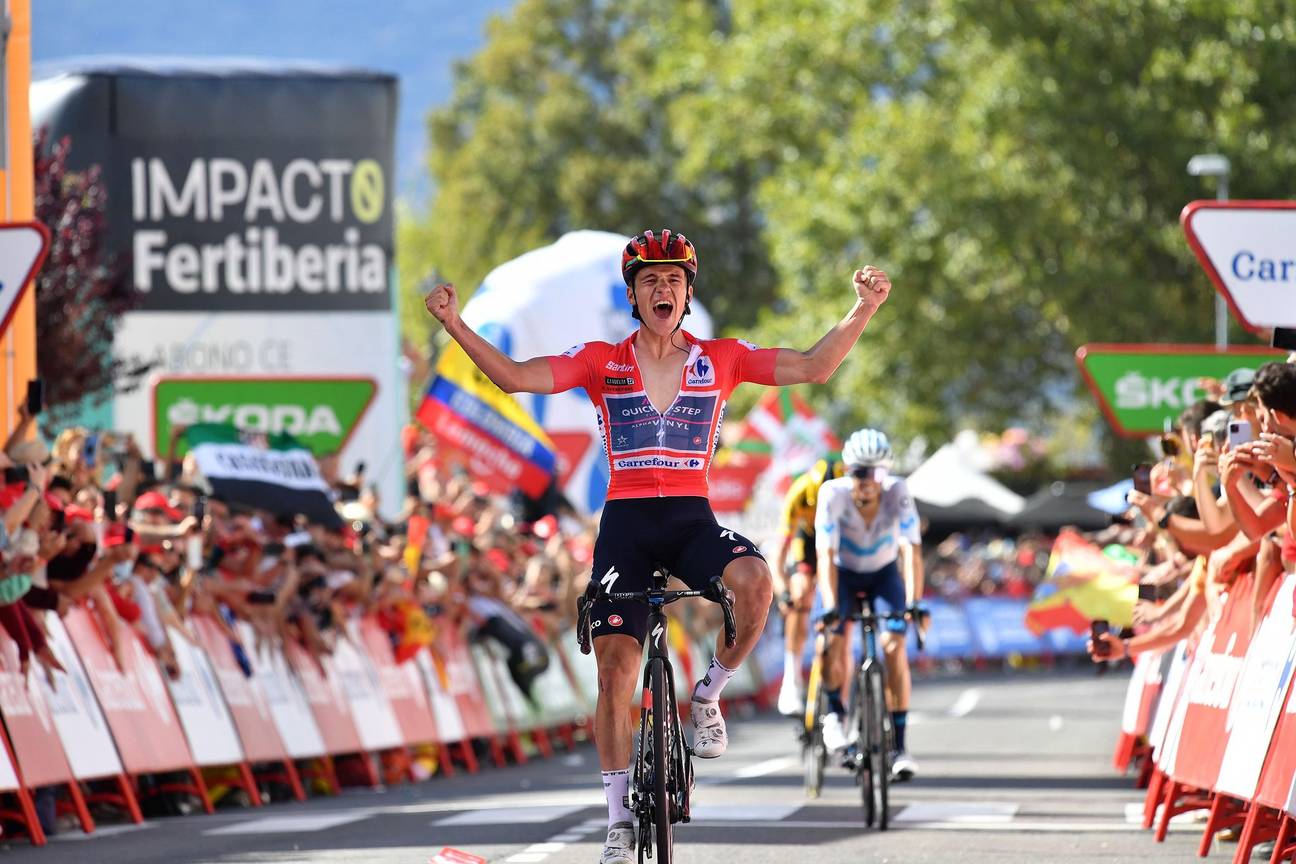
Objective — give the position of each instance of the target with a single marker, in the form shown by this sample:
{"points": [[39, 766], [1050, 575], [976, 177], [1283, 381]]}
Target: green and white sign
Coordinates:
{"points": [[1139, 386], [320, 412]]}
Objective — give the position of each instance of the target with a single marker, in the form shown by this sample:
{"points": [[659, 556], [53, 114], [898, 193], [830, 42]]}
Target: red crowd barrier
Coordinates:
{"points": [[113, 726], [1221, 734]]}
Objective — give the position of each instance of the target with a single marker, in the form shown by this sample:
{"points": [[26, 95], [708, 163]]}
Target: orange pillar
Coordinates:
{"points": [[18, 343]]}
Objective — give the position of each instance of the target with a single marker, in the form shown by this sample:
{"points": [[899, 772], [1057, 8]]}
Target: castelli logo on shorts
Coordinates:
{"points": [[615, 620], [738, 549]]}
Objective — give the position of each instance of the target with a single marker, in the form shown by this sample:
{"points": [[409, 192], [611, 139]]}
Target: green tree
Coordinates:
{"points": [[1017, 167]]}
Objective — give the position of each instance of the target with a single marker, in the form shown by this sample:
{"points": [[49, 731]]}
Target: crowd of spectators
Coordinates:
{"points": [[1215, 513], [143, 543], [987, 564]]}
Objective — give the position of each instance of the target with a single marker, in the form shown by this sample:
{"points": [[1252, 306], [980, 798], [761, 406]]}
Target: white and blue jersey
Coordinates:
{"points": [[856, 545]]}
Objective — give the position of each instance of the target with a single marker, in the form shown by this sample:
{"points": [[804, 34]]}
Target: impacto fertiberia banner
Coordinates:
{"points": [[502, 444], [275, 473]]}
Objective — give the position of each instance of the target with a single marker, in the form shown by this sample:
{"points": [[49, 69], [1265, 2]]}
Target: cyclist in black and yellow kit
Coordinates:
{"points": [[794, 586]]}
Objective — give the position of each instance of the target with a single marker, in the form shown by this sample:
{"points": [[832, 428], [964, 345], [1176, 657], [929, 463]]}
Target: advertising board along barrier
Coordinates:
{"points": [[331, 712], [206, 719], [1208, 691], [248, 706], [450, 730], [355, 679], [1140, 702], [460, 678], [1258, 703], [136, 703], [402, 684], [289, 708], [83, 729], [32, 733]]}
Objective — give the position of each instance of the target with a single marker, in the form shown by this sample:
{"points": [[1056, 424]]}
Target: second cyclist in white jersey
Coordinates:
{"points": [[866, 531]]}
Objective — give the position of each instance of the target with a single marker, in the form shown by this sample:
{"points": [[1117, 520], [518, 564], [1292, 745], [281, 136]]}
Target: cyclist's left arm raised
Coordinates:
{"points": [[817, 365]]}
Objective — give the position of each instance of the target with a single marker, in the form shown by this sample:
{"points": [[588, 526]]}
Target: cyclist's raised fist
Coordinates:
{"points": [[442, 302], [872, 286]]}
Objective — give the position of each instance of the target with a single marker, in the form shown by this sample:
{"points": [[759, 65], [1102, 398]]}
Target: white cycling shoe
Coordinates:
{"points": [[834, 736], [620, 845], [710, 739], [903, 767], [791, 701]]}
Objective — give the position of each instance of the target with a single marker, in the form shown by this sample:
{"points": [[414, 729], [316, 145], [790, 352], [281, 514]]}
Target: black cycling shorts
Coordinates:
{"points": [[636, 534]]}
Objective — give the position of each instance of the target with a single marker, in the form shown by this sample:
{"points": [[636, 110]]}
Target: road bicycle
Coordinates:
{"points": [[662, 779], [869, 757]]}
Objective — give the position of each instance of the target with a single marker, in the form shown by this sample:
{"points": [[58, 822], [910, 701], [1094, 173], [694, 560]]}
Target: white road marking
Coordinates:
{"points": [[955, 812], [1055, 723], [1041, 827], [1134, 815], [549, 846], [966, 703], [101, 831], [569, 837], [744, 812], [292, 824], [769, 766], [526, 857], [509, 816]]}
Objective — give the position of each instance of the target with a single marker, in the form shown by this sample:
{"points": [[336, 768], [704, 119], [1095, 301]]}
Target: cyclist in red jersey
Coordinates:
{"points": [[660, 396]]}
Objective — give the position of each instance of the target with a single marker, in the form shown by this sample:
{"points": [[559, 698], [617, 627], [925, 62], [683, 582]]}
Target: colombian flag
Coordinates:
{"points": [[500, 442], [1084, 584]]}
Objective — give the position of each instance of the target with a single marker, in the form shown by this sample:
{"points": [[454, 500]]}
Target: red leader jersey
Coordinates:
{"points": [[652, 454]]}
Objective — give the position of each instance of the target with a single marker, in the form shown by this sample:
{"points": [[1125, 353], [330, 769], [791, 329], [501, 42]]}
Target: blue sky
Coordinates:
{"points": [[419, 40]]}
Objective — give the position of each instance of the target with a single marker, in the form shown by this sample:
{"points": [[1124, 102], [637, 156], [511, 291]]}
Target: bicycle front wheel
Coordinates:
{"points": [[878, 746], [814, 754], [663, 768]]}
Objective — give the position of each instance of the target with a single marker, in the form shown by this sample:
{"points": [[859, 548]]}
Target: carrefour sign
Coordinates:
{"points": [[1248, 248]]}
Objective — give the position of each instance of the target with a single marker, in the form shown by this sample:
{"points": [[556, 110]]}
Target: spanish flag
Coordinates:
{"points": [[1084, 584]]}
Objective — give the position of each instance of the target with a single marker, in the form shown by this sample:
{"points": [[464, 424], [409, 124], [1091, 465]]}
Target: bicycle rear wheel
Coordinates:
{"points": [[663, 766], [814, 755], [877, 745]]}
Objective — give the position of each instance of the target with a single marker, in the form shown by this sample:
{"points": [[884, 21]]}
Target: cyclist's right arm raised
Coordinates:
{"points": [[511, 376]]}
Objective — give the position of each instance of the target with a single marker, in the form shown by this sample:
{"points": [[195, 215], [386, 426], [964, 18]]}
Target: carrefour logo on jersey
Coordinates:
{"points": [[256, 233], [701, 373]]}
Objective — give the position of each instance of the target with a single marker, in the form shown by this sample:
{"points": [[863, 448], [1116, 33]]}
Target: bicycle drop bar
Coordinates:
{"points": [[916, 614], [715, 592]]}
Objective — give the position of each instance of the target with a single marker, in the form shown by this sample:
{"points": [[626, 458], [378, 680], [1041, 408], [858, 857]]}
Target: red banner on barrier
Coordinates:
{"points": [[31, 725], [134, 699], [331, 713], [1259, 696], [455, 664], [247, 705], [401, 683], [1208, 690]]}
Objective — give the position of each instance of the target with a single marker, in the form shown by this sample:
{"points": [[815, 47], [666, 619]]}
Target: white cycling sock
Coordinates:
{"points": [[791, 667], [616, 786], [716, 677]]}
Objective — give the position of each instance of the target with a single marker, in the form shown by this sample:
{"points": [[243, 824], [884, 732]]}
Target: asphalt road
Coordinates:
{"points": [[1016, 767]]}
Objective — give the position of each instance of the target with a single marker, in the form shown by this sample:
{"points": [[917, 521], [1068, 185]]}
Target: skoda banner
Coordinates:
{"points": [[250, 206], [1140, 387], [321, 412]]}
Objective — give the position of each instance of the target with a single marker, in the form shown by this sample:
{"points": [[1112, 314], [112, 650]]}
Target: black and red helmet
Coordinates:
{"points": [[669, 248]]}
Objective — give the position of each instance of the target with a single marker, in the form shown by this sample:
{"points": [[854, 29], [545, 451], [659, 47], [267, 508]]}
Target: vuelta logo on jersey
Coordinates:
{"points": [[617, 382], [702, 373]]}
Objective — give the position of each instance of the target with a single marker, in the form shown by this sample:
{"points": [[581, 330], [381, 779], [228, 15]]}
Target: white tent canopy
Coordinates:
{"points": [[953, 477]]}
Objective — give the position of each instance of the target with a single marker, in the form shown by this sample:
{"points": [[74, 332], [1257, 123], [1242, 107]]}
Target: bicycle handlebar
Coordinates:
{"points": [[715, 592], [917, 614]]}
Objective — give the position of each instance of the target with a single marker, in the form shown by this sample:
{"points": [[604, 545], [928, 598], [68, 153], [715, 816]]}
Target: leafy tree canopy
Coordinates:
{"points": [[1017, 166]]}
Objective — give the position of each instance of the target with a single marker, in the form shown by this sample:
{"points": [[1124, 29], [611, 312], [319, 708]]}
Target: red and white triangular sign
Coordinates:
{"points": [[22, 251], [1248, 248]]}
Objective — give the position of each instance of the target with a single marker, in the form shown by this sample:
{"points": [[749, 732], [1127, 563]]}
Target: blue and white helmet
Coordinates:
{"points": [[867, 447]]}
